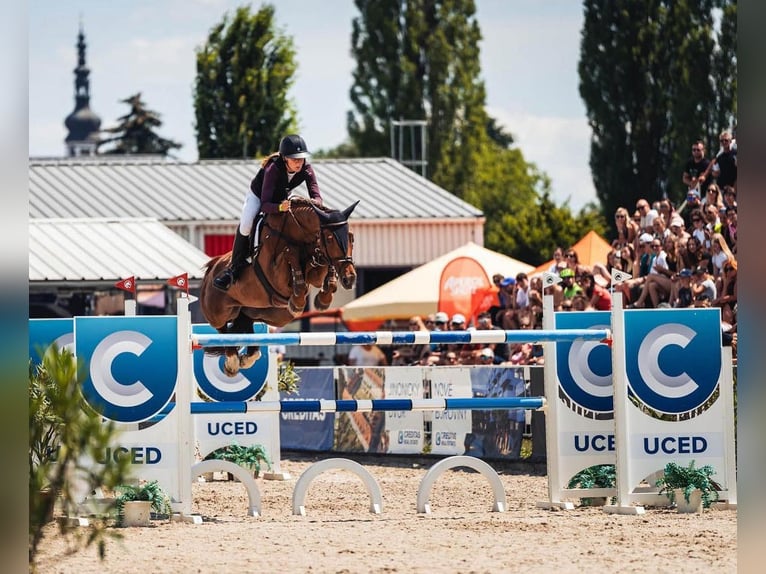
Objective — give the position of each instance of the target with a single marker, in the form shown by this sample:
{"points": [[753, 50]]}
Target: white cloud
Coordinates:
{"points": [[558, 146]]}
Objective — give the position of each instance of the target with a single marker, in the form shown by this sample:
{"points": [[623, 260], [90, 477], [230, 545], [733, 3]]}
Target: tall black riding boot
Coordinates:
{"points": [[238, 262]]}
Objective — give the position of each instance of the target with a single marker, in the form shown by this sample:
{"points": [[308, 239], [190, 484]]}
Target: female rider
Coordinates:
{"points": [[280, 172]]}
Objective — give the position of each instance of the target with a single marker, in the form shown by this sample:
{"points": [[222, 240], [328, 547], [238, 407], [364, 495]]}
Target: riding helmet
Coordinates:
{"points": [[293, 146]]}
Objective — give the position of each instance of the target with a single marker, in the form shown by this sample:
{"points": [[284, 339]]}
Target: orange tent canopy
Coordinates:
{"points": [[592, 248]]}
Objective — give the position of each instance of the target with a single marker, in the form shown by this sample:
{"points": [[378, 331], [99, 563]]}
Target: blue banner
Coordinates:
{"points": [[309, 431], [496, 434]]}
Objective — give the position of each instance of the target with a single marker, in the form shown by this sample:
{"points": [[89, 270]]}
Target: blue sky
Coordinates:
{"points": [[529, 55]]}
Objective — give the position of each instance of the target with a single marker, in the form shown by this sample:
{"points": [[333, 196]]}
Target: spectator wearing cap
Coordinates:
{"points": [[684, 297], [703, 287], [569, 287], [441, 323], [485, 356], [678, 227]]}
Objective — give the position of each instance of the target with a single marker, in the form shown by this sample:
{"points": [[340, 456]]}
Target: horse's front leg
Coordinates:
{"points": [[323, 298], [297, 302]]}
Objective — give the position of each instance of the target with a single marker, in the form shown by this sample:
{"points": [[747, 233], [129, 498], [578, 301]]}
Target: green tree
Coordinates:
{"points": [[419, 60], [654, 76], [244, 72], [64, 435], [135, 132]]}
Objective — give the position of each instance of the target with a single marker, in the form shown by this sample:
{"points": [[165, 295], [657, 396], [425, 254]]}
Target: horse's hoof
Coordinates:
{"points": [[320, 305], [294, 309]]}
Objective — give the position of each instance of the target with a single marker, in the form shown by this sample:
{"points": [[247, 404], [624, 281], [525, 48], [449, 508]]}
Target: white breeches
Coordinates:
{"points": [[250, 209]]}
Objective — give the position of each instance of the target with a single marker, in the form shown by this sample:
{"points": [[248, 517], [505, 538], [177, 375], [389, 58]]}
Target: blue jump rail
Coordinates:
{"points": [[200, 341], [331, 406]]}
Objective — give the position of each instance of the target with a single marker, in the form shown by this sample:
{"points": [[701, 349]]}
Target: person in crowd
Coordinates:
{"points": [[659, 230], [499, 350], [558, 256], [727, 297], [367, 356], [613, 261], [712, 222], [729, 196], [703, 287], [628, 260], [581, 303], [570, 288], [687, 258], [573, 262], [599, 297], [441, 323], [280, 172], [729, 229], [626, 228], [684, 297], [661, 284], [566, 305], [695, 175], [522, 291], [698, 227], [678, 227], [410, 354], [486, 356], [713, 196], [647, 215], [449, 359], [666, 211], [631, 288], [725, 166], [720, 255], [659, 275]]}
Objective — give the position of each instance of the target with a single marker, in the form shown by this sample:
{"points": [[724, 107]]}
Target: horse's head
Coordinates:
{"points": [[338, 242]]}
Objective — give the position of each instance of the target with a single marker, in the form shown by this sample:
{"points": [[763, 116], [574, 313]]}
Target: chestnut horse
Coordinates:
{"points": [[305, 246]]}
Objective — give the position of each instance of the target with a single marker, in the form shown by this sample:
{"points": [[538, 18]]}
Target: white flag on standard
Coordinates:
{"points": [[619, 276], [550, 279]]}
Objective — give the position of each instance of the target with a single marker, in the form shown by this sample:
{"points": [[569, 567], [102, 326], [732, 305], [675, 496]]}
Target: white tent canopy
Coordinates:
{"points": [[418, 291]]}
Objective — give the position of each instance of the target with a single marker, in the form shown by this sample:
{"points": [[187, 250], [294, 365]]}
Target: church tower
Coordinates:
{"points": [[82, 123]]}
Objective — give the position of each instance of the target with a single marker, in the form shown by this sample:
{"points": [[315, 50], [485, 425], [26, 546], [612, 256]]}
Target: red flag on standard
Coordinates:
{"points": [[128, 284], [180, 281]]}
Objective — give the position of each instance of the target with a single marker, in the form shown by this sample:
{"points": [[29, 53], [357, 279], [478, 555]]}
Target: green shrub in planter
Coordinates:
{"points": [[147, 491], [689, 478], [597, 476], [249, 457]]}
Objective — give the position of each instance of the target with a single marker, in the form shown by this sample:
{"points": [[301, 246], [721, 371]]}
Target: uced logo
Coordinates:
{"points": [[131, 364], [673, 358], [584, 368], [216, 384]]}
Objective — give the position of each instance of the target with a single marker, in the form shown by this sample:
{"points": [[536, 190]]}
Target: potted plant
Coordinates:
{"points": [[249, 457], [135, 502], [689, 487], [597, 476]]}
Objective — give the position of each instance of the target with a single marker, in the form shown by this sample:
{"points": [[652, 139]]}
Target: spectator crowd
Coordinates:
{"points": [[677, 257]]}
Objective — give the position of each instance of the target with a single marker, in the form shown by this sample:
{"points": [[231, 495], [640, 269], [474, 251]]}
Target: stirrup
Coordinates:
{"points": [[224, 280]]}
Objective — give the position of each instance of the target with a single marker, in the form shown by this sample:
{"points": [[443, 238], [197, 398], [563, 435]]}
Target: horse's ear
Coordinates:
{"points": [[349, 209]]}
